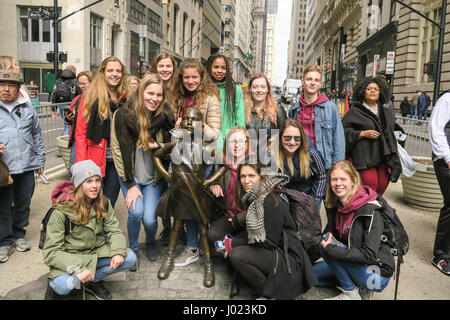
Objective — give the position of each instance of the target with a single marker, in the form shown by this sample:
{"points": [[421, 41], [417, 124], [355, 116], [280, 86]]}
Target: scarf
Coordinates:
{"points": [[254, 200], [97, 128], [345, 215]]}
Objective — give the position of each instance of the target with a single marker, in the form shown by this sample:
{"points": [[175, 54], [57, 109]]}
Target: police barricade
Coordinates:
{"points": [[52, 126], [417, 139]]}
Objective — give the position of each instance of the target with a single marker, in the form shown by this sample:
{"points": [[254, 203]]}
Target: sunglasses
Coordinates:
{"points": [[289, 138]]}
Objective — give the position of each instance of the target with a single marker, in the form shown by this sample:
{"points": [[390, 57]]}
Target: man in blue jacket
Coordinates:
{"points": [[320, 118], [421, 106], [22, 149]]}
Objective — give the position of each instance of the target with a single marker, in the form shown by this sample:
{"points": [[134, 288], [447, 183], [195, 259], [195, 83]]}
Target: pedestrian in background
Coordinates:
{"points": [[194, 88], [23, 152], [370, 142], [274, 262], [84, 79], [421, 106], [428, 104], [65, 90], [439, 132], [414, 102], [94, 248], [405, 107], [354, 255], [108, 92], [319, 118], [231, 95], [140, 128]]}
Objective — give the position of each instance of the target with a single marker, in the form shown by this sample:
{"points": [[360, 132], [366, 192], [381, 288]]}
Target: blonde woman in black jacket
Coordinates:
{"points": [[354, 256]]}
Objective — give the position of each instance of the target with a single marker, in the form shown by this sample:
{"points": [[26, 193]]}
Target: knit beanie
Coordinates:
{"points": [[84, 170]]}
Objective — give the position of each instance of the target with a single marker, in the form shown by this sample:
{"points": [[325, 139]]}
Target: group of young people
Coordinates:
{"points": [[135, 141]]}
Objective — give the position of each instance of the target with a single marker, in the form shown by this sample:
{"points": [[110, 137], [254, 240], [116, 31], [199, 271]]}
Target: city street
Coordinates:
{"points": [[24, 275]]}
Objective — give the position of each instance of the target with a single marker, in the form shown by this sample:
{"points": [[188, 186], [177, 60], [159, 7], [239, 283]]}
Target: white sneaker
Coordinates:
{"points": [[347, 295], [21, 245], [186, 257]]}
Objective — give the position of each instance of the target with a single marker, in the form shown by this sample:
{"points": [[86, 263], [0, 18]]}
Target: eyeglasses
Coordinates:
{"points": [[289, 138], [4, 85], [239, 142], [82, 84]]}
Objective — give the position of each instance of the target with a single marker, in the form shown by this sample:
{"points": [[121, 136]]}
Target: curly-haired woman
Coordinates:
{"points": [[369, 135]]}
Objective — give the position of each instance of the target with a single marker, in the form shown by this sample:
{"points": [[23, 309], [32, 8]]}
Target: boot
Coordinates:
{"points": [[167, 266], [208, 280]]}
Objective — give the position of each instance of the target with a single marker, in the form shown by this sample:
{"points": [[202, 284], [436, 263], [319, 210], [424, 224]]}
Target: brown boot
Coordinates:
{"points": [[167, 266], [208, 280]]}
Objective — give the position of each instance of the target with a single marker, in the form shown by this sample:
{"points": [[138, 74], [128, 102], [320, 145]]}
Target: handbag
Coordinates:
{"points": [[408, 164]]}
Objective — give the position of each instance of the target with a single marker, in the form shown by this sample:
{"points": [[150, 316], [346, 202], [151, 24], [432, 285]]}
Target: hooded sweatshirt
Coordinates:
{"points": [[306, 115], [345, 215], [64, 191]]}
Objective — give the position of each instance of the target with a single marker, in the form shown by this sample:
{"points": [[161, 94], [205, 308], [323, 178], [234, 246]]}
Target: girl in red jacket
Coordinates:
{"points": [[107, 93]]}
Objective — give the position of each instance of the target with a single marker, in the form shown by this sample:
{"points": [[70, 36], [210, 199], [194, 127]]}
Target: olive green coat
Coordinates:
{"points": [[85, 244]]}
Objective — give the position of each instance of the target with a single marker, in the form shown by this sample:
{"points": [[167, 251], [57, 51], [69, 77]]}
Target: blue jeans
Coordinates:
{"points": [[65, 283], [66, 128], [413, 111], [15, 208], [348, 275], [144, 212]]}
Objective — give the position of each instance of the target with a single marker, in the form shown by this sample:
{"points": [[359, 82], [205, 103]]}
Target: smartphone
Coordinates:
{"points": [[333, 239], [219, 244], [400, 137]]}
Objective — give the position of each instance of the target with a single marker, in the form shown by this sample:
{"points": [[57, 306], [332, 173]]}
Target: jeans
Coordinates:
{"points": [[66, 128], [111, 186], [73, 155], [348, 275], [442, 240], [65, 283], [144, 212], [422, 114], [15, 200], [413, 111]]}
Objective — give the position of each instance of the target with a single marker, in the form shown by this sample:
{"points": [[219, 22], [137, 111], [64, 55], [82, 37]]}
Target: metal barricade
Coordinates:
{"points": [[52, 124], [417, 141]]}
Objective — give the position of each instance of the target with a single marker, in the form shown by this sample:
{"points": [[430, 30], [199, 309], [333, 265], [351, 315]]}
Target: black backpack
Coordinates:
{"points": [[306, 215], [68, 227], [394, 236], [65, 90]]}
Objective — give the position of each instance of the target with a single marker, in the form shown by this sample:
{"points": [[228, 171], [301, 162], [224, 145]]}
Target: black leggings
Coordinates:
{"points": [[253, 264]]}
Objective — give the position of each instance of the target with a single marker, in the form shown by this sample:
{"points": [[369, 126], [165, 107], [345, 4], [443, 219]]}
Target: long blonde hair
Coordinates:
{"points": [[98, 91], [81, 205], [143, 114], [6, 62], [270, 108], [206, 88], [304, 158], [331, 200]]}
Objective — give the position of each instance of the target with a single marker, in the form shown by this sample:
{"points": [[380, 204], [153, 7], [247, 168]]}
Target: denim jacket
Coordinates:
{"points": [[20, 131], [330, 137]]}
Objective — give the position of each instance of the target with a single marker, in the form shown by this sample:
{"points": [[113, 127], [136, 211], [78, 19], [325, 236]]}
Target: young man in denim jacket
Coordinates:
{"points": [[320, 118]]}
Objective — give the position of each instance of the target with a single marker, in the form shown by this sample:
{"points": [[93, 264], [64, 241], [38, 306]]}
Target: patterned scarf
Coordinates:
{"points": [[254, 200]]}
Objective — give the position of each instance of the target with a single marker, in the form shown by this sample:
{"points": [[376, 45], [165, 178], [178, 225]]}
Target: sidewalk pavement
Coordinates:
{"points": [[24, 275]]}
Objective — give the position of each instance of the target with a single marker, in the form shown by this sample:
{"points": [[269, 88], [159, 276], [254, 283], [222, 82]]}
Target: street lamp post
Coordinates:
{"points": [[441, 26]]}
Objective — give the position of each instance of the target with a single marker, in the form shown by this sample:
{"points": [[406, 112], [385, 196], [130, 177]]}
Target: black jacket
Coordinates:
{"points": [[366, 153], [405, 107], [364, 239], [280, 284]]}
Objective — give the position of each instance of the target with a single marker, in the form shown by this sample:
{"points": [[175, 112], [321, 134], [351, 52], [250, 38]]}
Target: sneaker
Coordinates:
{"points": [[186, 257], [164, 237], [136, 265], [347, 295], [5, 252], [442, 264], [152, 251], [98, 290], [21, 245]]}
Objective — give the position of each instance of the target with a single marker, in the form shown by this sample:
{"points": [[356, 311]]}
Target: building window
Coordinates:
{"points": [[96, 32], [153, 50], [46, 31], [154, 21], [24, 23], [137, 10], [134, 53], [430, 43], [37, 30]]}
